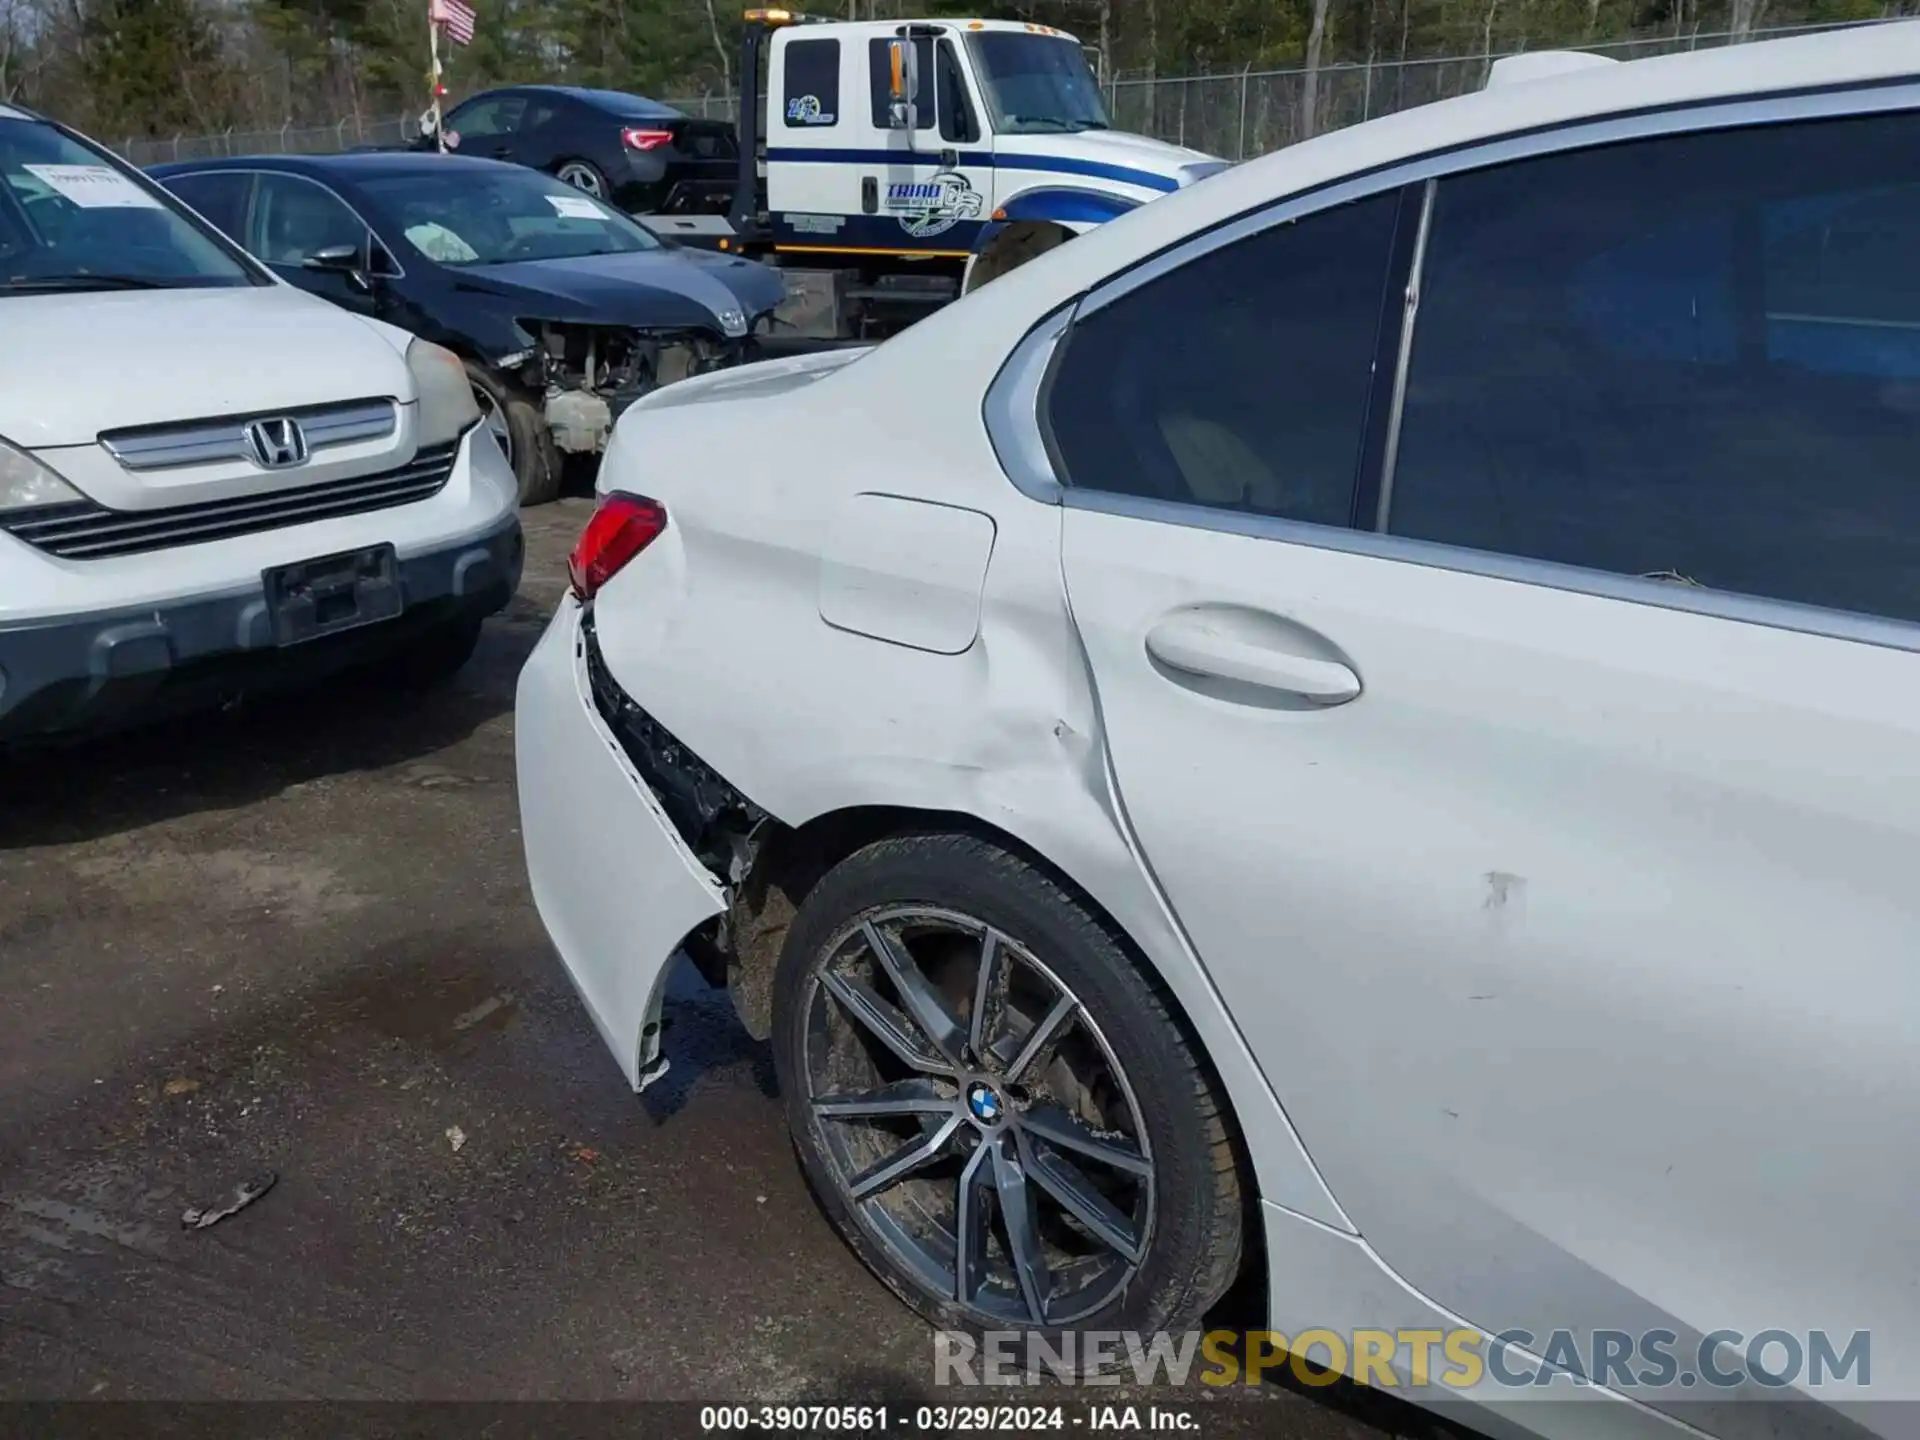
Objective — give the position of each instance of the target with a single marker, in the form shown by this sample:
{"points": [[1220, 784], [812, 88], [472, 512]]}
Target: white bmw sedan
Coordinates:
{"points": [[1363, 718]]}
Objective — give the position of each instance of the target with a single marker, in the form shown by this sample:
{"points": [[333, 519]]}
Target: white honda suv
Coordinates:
{"points": [[211, 482], [1364, 719]]}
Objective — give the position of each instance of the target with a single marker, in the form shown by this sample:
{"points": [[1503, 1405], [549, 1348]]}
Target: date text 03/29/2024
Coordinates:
{"points": [[943, 1419]]}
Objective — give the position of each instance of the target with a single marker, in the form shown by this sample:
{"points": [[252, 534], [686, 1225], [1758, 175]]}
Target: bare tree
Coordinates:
{"points": [[720, 49], [9, 37], [1310, 86]]}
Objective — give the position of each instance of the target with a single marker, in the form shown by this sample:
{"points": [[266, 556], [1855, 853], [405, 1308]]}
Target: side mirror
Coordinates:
{"points": [[347, 260], [903, 85]]}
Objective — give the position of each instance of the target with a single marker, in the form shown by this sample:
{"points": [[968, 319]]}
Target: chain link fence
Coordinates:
{"points": [[1235, 115]]}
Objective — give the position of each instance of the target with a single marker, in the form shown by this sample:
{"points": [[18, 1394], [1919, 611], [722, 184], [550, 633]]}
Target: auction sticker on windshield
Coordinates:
{"points": [[93, 187], [576, 207]]}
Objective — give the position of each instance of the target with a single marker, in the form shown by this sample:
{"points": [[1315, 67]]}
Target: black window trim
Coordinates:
{"points": [[397, 272], [1013, 410]]}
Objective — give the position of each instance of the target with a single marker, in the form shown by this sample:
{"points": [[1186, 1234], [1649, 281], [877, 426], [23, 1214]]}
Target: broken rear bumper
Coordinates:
{"points": [[616, 887]]}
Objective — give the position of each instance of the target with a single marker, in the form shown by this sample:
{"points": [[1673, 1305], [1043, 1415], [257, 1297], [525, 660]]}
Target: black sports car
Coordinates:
{"points": [[564, 309], [641, 155]]}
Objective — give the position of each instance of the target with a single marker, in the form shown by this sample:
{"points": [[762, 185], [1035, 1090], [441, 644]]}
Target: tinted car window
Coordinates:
{"points": [[489, 115], [1696, 358], [67, 214], [295, 218], [813, 83], [1239, 380], [880, 77], [956, 111], [221, 196]]}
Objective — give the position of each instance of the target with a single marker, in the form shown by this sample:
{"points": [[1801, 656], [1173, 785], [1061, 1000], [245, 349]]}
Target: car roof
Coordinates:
{"points": [[1859, 55], [616, 102], [350, 166]]}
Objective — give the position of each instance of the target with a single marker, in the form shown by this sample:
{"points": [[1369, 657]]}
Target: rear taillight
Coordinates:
{"points": [[622, 526], [645, 139]]}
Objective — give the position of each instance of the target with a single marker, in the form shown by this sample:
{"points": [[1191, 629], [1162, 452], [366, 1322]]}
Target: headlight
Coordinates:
{"points": [[733, 323], [447, 407], [25, 482]]}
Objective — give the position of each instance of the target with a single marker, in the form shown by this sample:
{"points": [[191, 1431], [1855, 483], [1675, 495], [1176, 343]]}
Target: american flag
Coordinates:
{"points": [[455, 18]]}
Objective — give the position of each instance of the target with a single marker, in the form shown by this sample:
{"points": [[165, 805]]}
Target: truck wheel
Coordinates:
{"points": [[1012, 248], [583, 176], [520, 430]]}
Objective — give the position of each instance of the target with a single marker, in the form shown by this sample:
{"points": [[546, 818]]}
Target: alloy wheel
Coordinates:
{"points": [[975, 1119], [582, 177], [495, 420]]}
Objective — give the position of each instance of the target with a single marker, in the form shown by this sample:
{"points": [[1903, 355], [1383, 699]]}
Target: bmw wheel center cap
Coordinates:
{"points": [[983, 1103]]}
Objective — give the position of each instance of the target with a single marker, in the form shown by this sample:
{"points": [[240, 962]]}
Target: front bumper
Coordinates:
{"points": [[87, 673], [616, 887]]}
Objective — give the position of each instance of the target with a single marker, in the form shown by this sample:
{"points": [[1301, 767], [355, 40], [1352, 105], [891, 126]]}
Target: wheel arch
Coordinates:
{"points": [[792, 860]]}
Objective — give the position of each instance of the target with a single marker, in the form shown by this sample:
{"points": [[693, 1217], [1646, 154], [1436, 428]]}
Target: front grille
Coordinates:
{"points": [[86, 531], [201, 442]]}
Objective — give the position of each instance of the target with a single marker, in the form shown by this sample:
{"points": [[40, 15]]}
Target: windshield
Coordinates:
{"points": [[487, 216], [70, 220], [1036, 84]]}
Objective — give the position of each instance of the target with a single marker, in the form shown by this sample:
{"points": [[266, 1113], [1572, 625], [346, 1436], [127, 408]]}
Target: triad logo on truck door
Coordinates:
{"points": [[934, 206]]}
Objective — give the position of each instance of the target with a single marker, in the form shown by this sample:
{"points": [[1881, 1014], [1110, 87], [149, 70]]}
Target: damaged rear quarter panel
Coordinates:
{"points": [[717, 632]]}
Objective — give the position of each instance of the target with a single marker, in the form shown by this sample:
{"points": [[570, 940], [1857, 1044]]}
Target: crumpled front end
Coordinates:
{"points": [[587, 375]]}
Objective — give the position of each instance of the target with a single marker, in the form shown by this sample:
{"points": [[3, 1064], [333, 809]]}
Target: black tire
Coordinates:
{"points": [[536, 463], [1192, 1247]]}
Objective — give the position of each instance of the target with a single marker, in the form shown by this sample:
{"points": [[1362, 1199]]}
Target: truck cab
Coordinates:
{"points": [[956, 140]]}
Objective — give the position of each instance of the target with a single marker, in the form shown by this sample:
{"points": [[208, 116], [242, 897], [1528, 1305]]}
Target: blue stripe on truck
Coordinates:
{"points": [[982, 159]]}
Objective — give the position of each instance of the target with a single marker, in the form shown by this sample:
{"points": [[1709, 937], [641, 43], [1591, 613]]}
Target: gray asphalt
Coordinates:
{"points": [[297, 938]]}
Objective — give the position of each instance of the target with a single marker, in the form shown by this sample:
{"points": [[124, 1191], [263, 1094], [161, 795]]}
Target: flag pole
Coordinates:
{"points": [[433, 51]]}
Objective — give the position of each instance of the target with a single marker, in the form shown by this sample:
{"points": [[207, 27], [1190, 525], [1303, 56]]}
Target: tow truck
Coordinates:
{"points": [[890, 166]]}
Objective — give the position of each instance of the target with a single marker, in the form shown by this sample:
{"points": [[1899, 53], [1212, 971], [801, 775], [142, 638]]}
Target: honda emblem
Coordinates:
{"points": [[277, 444]]}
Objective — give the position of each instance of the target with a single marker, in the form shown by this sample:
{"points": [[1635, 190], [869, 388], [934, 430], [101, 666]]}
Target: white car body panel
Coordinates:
{"points": [[1679, 845], [54, 390], [1665, 816], [618, 896], [937, 608], [1005, 732]]}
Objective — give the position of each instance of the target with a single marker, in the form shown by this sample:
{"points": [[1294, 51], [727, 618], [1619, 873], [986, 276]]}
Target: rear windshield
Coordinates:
{"points": [[71, 219]]}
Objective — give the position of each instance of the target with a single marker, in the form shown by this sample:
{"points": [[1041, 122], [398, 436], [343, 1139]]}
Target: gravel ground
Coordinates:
{"points": [[296, 938]]}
